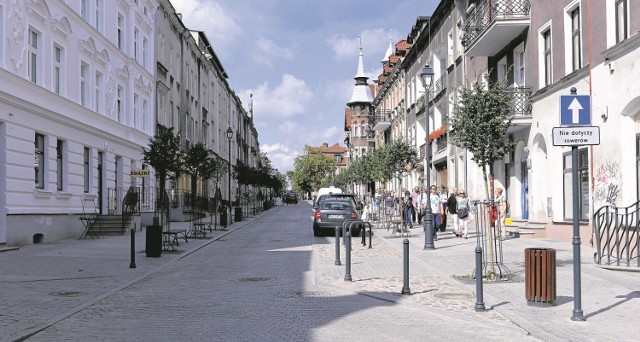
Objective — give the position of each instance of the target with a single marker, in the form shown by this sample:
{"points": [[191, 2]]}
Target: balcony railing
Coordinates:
{"points": [[441, 143], [439, 86], [521, 100], [511, 12], [381, 119]]}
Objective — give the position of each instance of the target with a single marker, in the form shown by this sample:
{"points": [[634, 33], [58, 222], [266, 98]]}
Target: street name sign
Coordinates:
{"points": [[140, 173], [576, 136], [575, 110]]}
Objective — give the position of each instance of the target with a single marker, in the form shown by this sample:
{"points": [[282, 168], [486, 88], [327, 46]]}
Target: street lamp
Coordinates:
{"points": [[229, 136], [426, 76]]}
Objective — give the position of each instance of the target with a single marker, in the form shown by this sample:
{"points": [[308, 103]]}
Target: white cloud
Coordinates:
{"points": [[274, 147], [287, 99], [374, 44], [210, 17], [267, 51], [288, 126]]}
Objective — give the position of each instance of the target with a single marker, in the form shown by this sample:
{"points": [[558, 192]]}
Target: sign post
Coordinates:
{"points": [[575, 112]]}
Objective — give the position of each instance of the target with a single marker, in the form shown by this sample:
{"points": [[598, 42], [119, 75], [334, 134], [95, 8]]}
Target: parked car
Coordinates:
{"points": [[351, 197], [333, 212], [290, 197]]}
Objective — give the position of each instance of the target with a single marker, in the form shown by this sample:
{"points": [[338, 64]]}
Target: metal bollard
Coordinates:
{"points": [[337, 246], [479, 299], [133, 247], [370, 235], [405, 258], [347, 245], [363, 234]]}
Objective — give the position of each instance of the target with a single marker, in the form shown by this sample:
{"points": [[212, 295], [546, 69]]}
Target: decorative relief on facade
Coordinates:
{"points": [[61, 27], [17, 27], [608, 183], [39, 9]]}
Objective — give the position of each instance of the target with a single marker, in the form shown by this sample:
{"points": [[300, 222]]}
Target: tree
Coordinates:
{"points": [[194, 164], [312, 170], [480, 123], [390, 160], [163, 154]]}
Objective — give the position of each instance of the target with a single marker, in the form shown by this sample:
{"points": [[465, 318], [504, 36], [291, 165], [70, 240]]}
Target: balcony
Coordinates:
{"points": [[493, 24], [521, 105], [381, 119]]}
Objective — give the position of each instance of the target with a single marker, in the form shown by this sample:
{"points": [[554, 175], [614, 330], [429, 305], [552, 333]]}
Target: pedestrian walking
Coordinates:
{"points": [[388, 205], [501, 200], [436, 210], [408, 209], [415, 195], [463, 211], [444, 196], [452, 211]]}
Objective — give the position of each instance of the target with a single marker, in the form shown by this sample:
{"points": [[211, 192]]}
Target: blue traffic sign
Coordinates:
{"points": [[575, 110]]}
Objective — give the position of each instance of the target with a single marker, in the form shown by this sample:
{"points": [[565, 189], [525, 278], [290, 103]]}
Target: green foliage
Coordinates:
{"points": [[194, 163], [390, 160], [312, 170], [164, 155], [481, 121]]}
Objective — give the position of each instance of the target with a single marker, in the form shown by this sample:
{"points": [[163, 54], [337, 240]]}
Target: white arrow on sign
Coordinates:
{"points": [[575, 108]]}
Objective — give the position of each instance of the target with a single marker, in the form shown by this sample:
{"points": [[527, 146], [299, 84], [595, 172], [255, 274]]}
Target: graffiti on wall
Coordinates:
{"points": [[607, 183]]}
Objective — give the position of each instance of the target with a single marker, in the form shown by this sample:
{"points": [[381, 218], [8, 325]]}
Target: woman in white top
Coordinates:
{"points": [[462, 203], [502, 207]]}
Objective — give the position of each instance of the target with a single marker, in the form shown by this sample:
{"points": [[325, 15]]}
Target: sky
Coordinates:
{"points": [[298, 59]]}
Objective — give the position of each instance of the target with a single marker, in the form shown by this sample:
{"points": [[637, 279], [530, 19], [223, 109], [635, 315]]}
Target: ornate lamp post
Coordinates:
{"points": [[229, 136], [426, 77]]}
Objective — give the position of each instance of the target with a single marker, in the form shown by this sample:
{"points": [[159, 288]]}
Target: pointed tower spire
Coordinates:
{"points": [[389, 50], [251, 104], [361, 92]]}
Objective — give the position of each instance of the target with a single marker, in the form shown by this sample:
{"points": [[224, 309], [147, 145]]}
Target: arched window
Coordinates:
{"points": [[364, 129], [357, 130]]}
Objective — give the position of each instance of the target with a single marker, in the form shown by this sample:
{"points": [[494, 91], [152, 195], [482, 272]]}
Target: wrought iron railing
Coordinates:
{"points": [[521, 100], [616, 236], [488, 12], [380, 115], [441, 143], [115, 197], [439, 86]]}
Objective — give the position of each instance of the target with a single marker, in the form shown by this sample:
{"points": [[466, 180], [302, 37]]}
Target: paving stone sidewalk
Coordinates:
{"points": [[442, 279]]}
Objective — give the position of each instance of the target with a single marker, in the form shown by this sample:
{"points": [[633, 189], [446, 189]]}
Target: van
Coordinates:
{"points": [[329, 190]]}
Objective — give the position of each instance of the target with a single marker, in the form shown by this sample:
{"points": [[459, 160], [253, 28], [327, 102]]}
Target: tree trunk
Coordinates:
{"points": [[492, 273]]}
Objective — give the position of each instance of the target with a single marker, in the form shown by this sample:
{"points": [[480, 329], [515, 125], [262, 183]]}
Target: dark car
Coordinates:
{"points": [[290, 197], [333, 212]]}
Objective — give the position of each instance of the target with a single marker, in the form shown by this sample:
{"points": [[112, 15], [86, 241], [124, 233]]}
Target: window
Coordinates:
{"points": [[621, 20], [84, 84], [34, 57], [84, 9], [576, 60], [518, 57], [546, 37], [86, 168], [60, 164], [99, 15], [583, 185], [99, 92], [120, 32], [136, 37], [120, 104], [363, 129], [145, 114], [502, 69], [57, 69], [39, 155], [145, 52], [136, 111]]}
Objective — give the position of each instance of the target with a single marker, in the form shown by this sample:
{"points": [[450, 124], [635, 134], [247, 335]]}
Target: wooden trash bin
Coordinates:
{"points": [[540, 275]]}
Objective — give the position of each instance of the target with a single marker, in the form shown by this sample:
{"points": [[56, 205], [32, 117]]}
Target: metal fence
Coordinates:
{"points": [[487, 237], [616, 235]]}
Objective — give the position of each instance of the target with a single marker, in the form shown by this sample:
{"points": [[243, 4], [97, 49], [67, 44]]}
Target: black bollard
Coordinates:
{"points": [[405, 258], [347, 246], [363, 233], [337, 246], [370, 235], [133, 247], [479, 299]]}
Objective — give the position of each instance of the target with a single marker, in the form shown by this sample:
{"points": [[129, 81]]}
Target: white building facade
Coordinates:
{"points": [[77, 102]]}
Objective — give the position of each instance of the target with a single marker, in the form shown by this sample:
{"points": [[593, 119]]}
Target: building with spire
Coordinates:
{"points": [[359, 136]]}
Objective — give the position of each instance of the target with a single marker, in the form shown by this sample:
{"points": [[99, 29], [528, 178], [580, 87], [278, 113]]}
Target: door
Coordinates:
{"points": [[525, 191], [100, 187]]}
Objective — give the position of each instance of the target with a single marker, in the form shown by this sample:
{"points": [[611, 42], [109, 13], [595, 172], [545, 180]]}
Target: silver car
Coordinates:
{"points": [[333, 212]]}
